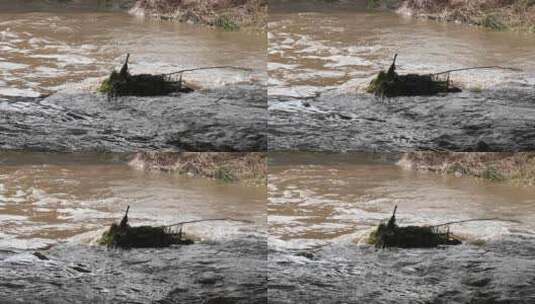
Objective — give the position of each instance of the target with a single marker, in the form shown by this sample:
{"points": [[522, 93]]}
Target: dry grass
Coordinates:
{"points": [[227, 14], [225, 166], [494, 14], [518, 168]]}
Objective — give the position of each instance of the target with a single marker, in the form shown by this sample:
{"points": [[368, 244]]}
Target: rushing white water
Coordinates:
{"points": [[322, 208], [60, 204], [42, 51], [52, 197], [319, 74]]}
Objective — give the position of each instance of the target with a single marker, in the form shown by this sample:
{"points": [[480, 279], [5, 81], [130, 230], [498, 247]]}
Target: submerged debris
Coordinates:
{"points": [[124, 236], [392, 235], [391, 84], [123, 83]]}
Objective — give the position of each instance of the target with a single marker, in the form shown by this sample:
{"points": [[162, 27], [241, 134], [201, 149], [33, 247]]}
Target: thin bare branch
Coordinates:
{"points": [[209, 68], [475, 220], [477, 68], [207, 220]]}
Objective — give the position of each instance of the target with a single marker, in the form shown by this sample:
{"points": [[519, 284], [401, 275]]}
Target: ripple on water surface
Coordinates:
{"points": [[43, 51], [318, 77], [322, 209], [65, 201]]}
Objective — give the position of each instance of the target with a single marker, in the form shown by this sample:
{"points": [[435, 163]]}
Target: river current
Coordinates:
{"points": [[322, 208], [323, 56]]}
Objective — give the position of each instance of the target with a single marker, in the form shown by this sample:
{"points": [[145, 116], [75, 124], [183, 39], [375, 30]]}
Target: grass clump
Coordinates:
{"points": [[491, 21], [391, 235], [225, 174], [123, 83], [247, 167], [458, 169], [492, 174], [383, 4], [516, 168], [518, 15], [105, 86], [125, 236], [226, 24], [391, 84], [230, 15]]}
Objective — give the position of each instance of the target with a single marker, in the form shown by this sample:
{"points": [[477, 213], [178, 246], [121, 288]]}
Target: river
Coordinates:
{"points": [[322, 208], [322, 57], [59, 204], [66, 52]]}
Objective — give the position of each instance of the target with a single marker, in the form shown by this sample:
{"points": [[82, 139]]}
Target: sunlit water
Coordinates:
{"points": [[323, 56], [60, 204], [323, 207]]}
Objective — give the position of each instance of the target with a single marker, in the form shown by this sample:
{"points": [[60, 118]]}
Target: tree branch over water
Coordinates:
{"points": [[477, 68], [208, 68]]}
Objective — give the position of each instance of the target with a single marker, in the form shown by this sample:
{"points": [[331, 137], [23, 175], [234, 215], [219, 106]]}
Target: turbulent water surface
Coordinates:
{"points": [[322, 208], [60, 204], [318, 75], [67, 52], [232, 118]]}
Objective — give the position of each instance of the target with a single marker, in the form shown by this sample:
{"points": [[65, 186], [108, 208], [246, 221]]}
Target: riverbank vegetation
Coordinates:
{"points": [[227, 14], [494, 14], [246, 167], [517, 168]]}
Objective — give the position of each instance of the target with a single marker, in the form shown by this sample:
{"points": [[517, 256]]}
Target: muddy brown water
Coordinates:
{"points": [[322, 208], [60, 204], [48, 49], [318, 75], [68, 51]]}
